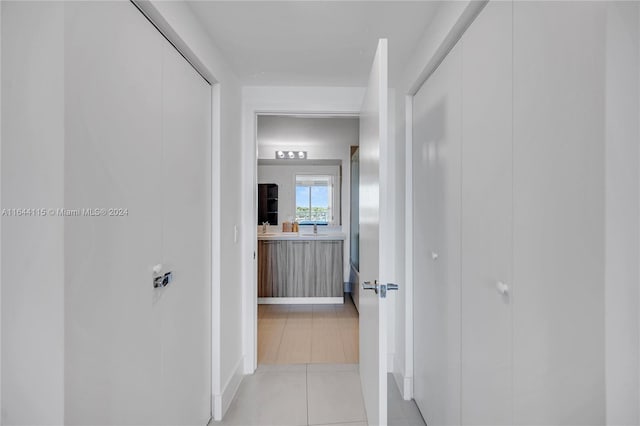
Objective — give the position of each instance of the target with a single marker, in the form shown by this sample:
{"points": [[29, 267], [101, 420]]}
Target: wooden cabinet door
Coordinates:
{"points": [[328, 276], [272, 268], [300, 274]]}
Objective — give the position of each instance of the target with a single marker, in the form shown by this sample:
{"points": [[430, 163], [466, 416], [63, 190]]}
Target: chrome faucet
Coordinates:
{"points": [[264, 227], [315, 227]]}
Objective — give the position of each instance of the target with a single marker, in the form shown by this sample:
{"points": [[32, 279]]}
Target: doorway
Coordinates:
{"points": [[305, 312]]}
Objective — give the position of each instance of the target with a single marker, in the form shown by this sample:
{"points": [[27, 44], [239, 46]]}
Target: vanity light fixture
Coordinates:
{"points": [[291, 155]]}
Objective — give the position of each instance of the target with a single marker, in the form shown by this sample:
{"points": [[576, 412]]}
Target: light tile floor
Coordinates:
{"points": [[399, 411], [308, 334], [310, 394]]}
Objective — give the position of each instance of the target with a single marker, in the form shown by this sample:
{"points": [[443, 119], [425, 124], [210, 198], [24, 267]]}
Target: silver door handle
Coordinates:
{"points": [[385, 287], [382, 288], [434, 255], [368, 286]]}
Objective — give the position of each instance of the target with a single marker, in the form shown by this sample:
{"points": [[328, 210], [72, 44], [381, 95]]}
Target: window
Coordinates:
{"points": [[313, 199]]}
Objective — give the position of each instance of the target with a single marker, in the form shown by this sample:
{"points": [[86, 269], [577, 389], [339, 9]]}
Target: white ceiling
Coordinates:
{"points": [[312, 43]]}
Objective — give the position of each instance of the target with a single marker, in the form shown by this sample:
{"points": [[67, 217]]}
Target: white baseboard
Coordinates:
{"points": [[223, 401], [405, 385], [300, 300]]}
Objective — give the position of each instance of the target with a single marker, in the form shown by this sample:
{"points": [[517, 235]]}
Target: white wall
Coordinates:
{"points": [[621, 213], [32, 247], [324, 138], [0, 220]]}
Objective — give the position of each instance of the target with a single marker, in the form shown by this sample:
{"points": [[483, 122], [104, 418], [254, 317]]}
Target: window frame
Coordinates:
{"points": [[331, 195]]}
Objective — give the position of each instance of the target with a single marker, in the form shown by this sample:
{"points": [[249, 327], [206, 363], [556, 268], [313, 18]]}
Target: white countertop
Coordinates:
{"points": [[332, 236]]}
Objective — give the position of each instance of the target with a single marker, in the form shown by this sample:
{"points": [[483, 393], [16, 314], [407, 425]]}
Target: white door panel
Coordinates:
{"points": [[559, 110], [185, 304], [373, 137], [112, 122], [437, 144], [487, 218]]}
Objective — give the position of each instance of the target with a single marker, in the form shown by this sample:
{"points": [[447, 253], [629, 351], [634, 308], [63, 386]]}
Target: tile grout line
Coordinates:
{"points": [[310, 348], [277, 348], [341, 335], [306, 381], [286, 320]]}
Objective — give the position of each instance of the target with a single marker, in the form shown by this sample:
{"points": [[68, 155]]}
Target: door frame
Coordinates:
{"points": [[287, 101]]}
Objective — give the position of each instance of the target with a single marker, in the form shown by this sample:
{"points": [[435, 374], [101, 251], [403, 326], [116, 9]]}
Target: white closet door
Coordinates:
{"points": [[559, 102], [185, 304], [437, 136], [487, 218], [138, 138], [113, 72]]}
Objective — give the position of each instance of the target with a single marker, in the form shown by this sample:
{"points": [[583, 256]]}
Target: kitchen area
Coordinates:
{"points": [[306, 312]]}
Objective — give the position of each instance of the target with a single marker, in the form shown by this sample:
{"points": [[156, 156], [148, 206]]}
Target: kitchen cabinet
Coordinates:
{"points": [[300, 268]]}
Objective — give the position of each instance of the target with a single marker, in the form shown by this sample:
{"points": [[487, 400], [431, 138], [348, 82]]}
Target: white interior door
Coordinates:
{"points": [[373, 344], [486, 221], [437, 122], [185, 304]]}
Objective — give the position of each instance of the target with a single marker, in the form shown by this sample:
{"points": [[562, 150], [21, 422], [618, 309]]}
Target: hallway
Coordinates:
{"points": [[186, 199]]}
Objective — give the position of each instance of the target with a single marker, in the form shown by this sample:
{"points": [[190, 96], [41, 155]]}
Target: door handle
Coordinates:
{"points": [[385, 287], [434, 255], [368, 286], [163, 280], [382, 288], [502, 288]]}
